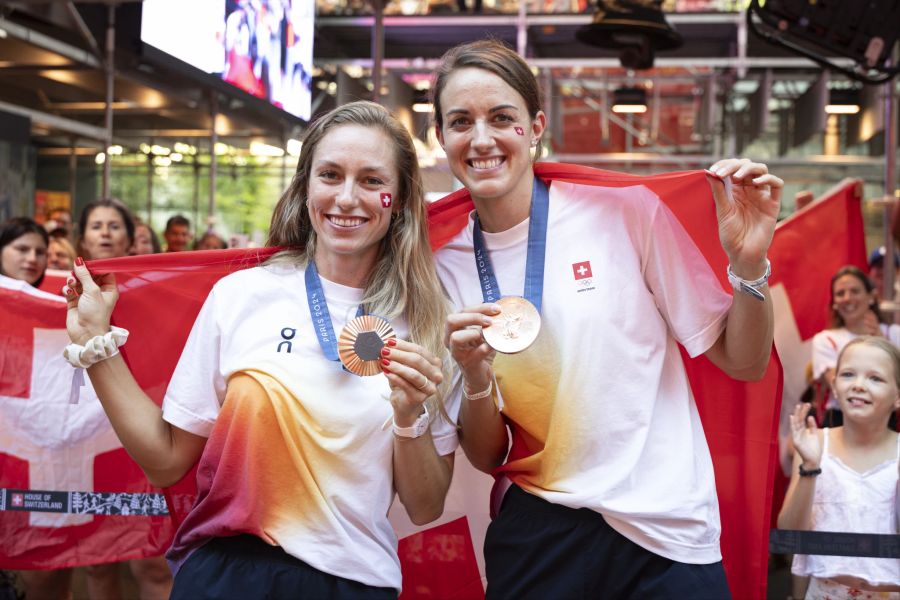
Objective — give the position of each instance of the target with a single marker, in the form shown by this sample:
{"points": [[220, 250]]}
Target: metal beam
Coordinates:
{"points": [[512, 20], [48, 43], [55, 122], [724, 62]]}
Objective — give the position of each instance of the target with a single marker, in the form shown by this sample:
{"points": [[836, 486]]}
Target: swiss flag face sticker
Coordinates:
{"points": [[520, 131], [582, 270], [386, 199]]}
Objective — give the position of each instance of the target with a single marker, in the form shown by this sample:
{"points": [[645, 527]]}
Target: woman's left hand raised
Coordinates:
{"points": [[747, 215], [414, 375]]}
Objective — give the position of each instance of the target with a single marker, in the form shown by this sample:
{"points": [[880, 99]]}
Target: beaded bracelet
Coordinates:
{"points": [[479, 395]]}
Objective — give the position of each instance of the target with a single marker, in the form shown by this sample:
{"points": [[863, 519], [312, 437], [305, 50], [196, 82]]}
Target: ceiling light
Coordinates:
{"points": [[294, 146], [629, 100], [423, 107], [263, 149], [843, 102]]}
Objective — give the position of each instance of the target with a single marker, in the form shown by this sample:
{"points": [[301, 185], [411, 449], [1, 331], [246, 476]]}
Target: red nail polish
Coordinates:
{"points": [[79, 261], [385, 352], [385, 362], [392, 342]]}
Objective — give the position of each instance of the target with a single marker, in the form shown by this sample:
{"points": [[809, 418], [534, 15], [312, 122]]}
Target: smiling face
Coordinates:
{"points": [[487, 134], [351, 169], [24, 258], [865, 383], [851, 300], [105, 234]]}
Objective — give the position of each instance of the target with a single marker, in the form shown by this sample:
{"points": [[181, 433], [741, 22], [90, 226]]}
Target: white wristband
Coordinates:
{"points": [[415, 430], [99, 347], [750, 287], [479, 395]]}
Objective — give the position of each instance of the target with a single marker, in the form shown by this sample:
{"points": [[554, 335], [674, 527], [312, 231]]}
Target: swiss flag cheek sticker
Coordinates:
{"points": [[520, 131], [386, 199]]}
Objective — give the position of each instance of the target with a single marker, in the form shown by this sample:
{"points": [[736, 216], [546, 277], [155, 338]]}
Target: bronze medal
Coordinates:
{"points": [[515, 328], [360, 344]]}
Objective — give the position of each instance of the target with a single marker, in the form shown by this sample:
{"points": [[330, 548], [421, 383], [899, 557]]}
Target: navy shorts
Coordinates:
{"points": [[536, 549], [245, 567]]}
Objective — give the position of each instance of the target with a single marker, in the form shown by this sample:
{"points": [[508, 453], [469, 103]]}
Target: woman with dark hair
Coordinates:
{"points": [[23, 250], [145, 240], [210, 241], [605, 481], [105, 230], [854, 312], [299, 458]]}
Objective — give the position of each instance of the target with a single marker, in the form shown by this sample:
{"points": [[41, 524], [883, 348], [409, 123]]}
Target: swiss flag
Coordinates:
{"points": [[582, 270], [741, 432], [809, 246], [386, 199]]}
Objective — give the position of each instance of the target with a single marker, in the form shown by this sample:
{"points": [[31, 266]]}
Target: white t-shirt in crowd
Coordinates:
{"points": [[299, 450], [600, 407]]}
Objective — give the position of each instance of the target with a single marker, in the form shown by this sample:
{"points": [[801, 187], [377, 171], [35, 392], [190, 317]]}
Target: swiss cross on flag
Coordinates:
{"points": [[582, 270], [386, 199], [17, 500]]}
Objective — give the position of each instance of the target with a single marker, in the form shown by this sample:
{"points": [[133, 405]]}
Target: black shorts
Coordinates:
{"points": [[245, 567], [536, 549]]}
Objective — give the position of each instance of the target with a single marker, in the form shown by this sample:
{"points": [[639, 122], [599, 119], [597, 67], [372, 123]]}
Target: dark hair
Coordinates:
{"points": [[154, 239], [492, 56], [177, 220], [15, 228], [836, 319], [104, 203], [211, 234]]}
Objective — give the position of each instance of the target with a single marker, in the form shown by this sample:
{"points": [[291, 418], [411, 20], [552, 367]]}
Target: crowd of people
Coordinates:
{"points": [[604, 480]]}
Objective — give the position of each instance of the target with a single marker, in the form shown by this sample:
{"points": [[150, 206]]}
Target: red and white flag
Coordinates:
{"points": [[809, 246], [161, 295]]}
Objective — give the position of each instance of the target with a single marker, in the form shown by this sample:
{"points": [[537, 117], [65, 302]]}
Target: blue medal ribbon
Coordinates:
{"points": [[318, 311], [534, 260]]}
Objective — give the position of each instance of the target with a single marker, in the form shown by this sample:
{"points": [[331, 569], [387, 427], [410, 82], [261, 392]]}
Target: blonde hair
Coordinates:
{"points": [[877, 342], [403, 281]]}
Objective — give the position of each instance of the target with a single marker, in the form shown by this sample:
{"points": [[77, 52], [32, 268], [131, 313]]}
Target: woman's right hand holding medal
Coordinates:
{"points": [[414, 375], [463, 337]]}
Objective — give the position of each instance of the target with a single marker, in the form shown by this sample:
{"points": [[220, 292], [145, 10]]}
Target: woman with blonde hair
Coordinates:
{"points": [[298, 461]]}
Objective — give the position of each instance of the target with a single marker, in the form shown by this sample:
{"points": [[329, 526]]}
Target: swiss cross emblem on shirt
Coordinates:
{"points": [[582, 270], [18, 500], [386, 199]]}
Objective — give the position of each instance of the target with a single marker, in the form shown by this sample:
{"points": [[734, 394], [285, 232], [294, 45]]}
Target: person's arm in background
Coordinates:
{"points": [[796, 512]]}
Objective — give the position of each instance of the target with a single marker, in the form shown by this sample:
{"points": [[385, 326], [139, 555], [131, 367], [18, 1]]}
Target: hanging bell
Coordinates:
{"points": [[636, 28]]}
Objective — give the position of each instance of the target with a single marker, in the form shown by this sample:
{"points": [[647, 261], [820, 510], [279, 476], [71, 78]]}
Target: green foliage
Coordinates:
{"points": [[245, 195]]}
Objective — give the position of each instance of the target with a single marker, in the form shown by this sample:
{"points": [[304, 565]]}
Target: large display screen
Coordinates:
{"points": [[264, 47]]}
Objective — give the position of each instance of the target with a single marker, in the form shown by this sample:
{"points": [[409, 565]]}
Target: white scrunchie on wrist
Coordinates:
{"points": [[99, 347]]}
